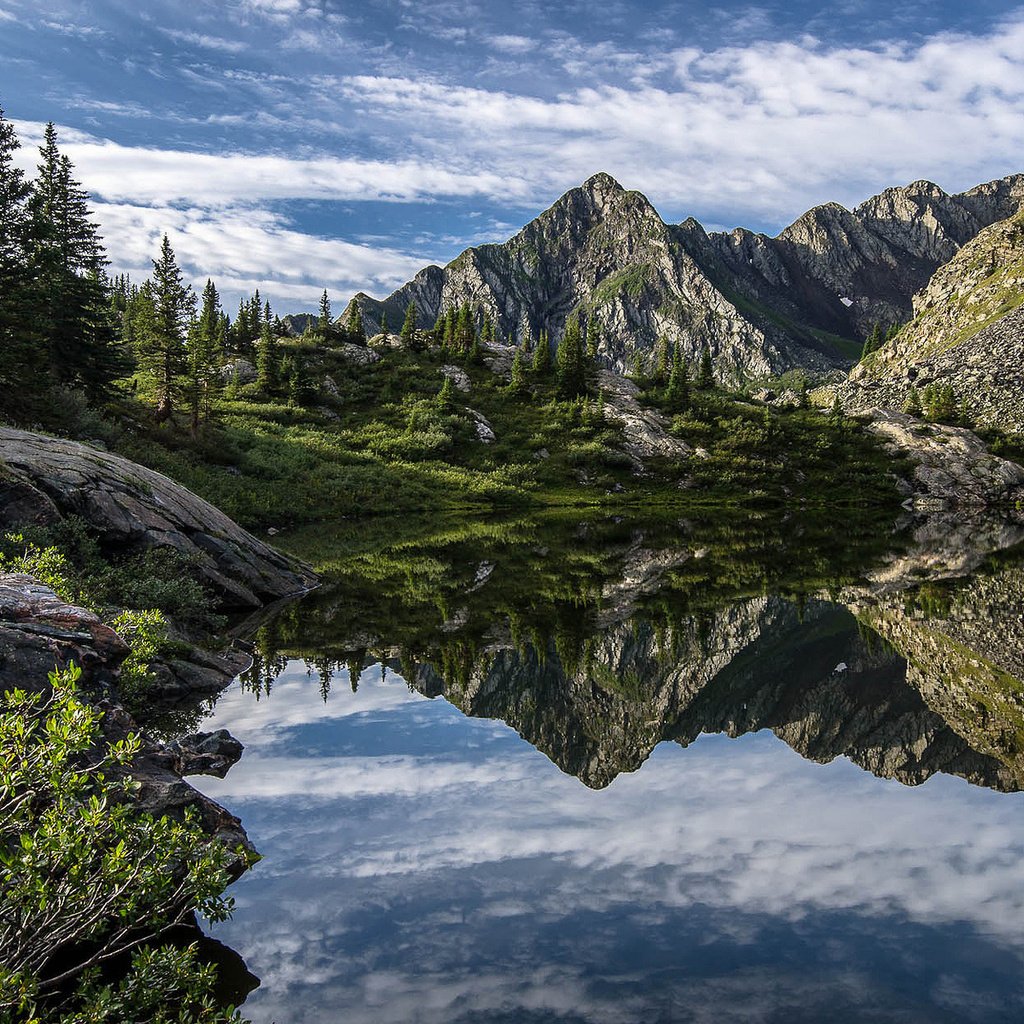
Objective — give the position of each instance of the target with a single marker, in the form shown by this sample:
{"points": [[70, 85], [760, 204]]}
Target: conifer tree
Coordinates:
{"points": [[678, 391], [204, 357], [268, 361], [912, 406], [437, 333], [465, 330], [542, 357], [384, 322], [593, 338], [445, 399], [324, 322], [300, 385], [69, 295], [662, 360], [517, 382], [161, 336], [354, 323], [572, 380], [448, 339], [21, 353], [410, 336], [706, 374]]}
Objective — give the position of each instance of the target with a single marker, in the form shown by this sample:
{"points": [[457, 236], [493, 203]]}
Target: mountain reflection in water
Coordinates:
{"points": [[423, 862]]}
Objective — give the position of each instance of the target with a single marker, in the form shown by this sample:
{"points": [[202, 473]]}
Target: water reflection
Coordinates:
{"points": [[438, 860]]}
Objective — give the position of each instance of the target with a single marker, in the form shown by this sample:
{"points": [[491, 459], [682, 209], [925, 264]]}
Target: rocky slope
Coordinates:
{"points": [[967, 331], [133, 508], [762, 305]]}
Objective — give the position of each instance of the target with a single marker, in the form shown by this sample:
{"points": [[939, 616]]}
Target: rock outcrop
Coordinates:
{"points": [[762, 305], [39, 632], [133, 508], [950, 466]]}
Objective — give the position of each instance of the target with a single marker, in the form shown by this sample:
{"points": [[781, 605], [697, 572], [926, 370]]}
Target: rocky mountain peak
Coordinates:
{"points": [[761, 305]]}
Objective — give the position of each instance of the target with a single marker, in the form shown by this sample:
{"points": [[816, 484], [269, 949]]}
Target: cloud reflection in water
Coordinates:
{"points": [[456, 874]]}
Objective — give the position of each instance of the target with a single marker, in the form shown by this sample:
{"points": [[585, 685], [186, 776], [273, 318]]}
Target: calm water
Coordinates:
{"points": [[636, 774]]}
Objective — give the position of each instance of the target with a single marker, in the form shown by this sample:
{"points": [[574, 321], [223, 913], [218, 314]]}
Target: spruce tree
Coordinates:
{"points": [[162, 336], [465, 330], [21, 354], [542, 357], [517, 381], [300, 385], [268, 362], [354, 324], [706, 374], [324, 322], [410, 336], [572, 380], [912, 406], [204, 357], [69, 294], [662, 360], [593, 338], [678, 391], [445, 399]]}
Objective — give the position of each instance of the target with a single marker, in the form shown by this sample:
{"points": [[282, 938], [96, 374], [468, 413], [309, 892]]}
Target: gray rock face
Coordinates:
{"points": [[40, 632], [134, 508], [951, 466], [645, 430], [762, 305], [842, 270], [967, 332]]}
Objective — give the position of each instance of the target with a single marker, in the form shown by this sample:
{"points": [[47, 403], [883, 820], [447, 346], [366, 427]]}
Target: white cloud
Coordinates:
{"points": [[512, 44], [206, 41], [147, 175], [757, 130], [246, 248]]}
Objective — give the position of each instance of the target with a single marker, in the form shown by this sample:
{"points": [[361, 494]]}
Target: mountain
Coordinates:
{"points": [[967, 332], [762, 305]]}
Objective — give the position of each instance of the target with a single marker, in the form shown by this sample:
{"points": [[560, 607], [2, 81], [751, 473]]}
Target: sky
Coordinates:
{"points": [[301, 144]]}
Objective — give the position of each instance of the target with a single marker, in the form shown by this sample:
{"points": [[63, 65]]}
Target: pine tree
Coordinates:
{"points": [[384, 323], [324, 322], [437, 334], [874, 340], [204, 358], [445, 399], [300, 386], [678, 391], [593, 338], [21, 354], [268, 362], [354, 324], [517, 381], [465, 330], [448, 338], [162, 334], [662, 360], [69, 294], [706, 374], [572, 380], [410, 336], [912, 406], [541, 367]]}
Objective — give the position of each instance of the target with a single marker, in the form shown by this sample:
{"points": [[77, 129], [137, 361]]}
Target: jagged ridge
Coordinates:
{"points": [[762, 305]]}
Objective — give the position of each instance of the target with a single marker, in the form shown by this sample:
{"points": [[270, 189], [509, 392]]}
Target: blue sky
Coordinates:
{"points": [[302, 144]]}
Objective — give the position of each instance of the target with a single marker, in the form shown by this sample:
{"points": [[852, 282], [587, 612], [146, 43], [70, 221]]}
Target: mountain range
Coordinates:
{"points": [[762, 305]]}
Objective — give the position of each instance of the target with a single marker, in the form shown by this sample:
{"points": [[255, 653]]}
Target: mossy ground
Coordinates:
{"points": [[378, 441]]}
